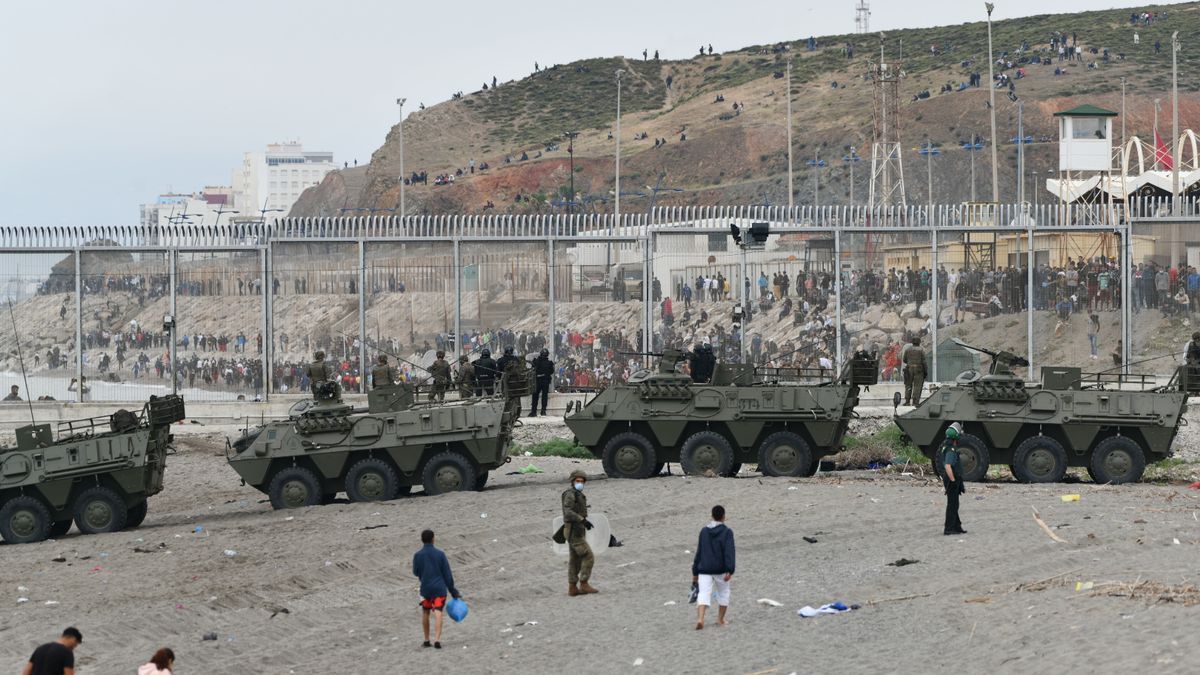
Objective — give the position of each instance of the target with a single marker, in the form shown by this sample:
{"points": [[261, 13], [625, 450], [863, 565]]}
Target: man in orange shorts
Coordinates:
{"points": [[432, 568]]}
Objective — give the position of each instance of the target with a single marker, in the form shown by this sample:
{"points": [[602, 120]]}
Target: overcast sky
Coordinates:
{"points": [[107, 104]]}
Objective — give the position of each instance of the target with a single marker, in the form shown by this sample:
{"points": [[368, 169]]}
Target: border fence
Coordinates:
{"points": [[250, 300]]}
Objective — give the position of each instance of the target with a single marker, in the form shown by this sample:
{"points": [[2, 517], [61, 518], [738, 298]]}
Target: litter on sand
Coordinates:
{"points": [[769, 602], [229, 553], [638, 661], [832, 608], [668, 603], [530, 468], [811, 540], [1070, 498], [1084, 585], [902, 562]]}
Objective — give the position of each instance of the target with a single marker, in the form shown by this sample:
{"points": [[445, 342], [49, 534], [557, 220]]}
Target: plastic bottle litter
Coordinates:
{"points": [[21, 601], [769, 602], [230, 552], [1070, 498], [638, 661], [198, 529]]}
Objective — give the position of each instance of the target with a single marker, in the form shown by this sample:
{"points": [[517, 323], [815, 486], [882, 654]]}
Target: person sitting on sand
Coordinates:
{"points": [[713, 566]]}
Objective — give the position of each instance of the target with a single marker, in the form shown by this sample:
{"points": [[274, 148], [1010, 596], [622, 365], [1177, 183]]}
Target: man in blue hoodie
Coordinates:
{"points": [[712, 568], [432, 568]]}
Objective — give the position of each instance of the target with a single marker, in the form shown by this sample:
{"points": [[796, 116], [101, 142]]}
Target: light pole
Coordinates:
{"points": [[1020, 153], [571, 153], [1174, 131], [400, 105], [1035, 190], [992, 106], [617, 179], [789, 136]]}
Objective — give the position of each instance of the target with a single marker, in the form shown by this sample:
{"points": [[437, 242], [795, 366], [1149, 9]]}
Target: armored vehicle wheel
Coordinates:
{"points": [[371, 480], [785, 453], [294, 487], [734, 469], [1117, 460], [137, 514], [447, 472], [99, 509], [628, 455], [974, 457], [481, 481], [60, 528], [1039, 459], [706, 451], [24, 520]]}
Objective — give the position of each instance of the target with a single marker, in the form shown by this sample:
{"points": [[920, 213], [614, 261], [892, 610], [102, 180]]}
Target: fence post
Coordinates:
{"points": [[172, 335], [458, 272], [935, 287], [78, 326], [1030, 302], [551, 278], [268, 374], [837, 287], [362, 316]]}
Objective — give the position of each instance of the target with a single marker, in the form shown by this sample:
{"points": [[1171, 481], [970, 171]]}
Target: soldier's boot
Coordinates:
{"points": [[585, 587], [572, 590]]}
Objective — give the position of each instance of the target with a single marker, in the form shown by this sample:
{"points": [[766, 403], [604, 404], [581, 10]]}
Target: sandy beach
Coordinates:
{"points": [[329, 589]]}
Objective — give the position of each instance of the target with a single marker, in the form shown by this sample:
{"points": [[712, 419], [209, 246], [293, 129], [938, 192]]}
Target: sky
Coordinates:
{"points": [[107, 104]]}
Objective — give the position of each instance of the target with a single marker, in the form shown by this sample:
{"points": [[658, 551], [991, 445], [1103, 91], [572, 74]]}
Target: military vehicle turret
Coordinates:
{"points": [[743, 415], [98, 472], [1111, 423], [327, 446]]}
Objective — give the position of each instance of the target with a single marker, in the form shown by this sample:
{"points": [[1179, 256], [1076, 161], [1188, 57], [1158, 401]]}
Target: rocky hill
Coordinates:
{"points": [[739, 156]]}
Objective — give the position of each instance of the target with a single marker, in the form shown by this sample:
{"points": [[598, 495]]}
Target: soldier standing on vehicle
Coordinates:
{"points": [[383, 375], [485, 374], [440, 371], [914, 371], [318, 372], [503, 361], [515, 385], [575, 527], [466, 377], [952, 479], [543, 377]]}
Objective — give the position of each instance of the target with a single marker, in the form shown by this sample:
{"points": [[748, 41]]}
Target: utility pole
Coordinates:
{"points": [[1175, 154], [992, 106], [400, 105], [617, 180], [791, 192], [571, 153], [1020, 155], [929, 171]]}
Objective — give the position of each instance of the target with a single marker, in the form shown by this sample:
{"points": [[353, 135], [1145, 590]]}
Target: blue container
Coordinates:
{"points": [[456, 609]]}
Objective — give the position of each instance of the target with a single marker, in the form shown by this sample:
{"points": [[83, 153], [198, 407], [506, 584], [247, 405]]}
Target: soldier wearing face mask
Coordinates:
{"points": [[575, 527]]}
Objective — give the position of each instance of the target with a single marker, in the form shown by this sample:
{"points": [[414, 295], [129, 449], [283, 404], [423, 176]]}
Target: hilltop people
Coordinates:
{"points": [[952, 479], [433, 569], [713, 566], [162, 663], [575, 527], [55, 658]]}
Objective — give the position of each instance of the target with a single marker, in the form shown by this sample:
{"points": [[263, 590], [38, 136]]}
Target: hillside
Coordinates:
{"points": [[740, 157]]}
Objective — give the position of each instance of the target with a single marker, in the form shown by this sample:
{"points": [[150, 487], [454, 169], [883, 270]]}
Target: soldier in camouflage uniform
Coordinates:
{"points": [[466, 377], [515, 384], [440, 371], [383, 375], [575, 527], [318, 372]]}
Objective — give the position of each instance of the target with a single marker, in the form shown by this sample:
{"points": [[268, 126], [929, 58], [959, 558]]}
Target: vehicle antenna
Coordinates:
{"points": [[21, 359]]}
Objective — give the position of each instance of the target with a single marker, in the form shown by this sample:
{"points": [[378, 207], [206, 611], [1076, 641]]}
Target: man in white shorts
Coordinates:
{"points": [[712, 568]]}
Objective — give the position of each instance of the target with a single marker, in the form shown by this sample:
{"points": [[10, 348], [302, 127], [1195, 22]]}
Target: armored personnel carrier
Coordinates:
{"points": [[744, 415], [1110, 423], [99, 472], [327, 447]]}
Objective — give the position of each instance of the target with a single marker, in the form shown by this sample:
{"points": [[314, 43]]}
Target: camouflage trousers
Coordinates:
{"points": [[438, 393], [579, 567]]}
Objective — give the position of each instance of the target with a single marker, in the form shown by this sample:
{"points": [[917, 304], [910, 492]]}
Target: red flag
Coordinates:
{"points": [[1162, 154]]}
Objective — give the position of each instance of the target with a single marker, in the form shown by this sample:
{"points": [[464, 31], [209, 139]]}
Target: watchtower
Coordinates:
{"points": [[1085, 162]]}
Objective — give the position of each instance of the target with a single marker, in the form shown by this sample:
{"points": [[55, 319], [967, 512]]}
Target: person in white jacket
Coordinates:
{"points": [[162, 663]]}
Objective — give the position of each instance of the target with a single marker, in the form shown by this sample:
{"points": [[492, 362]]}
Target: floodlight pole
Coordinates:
{"points": [[400, 105], [992, 108], [791, 192], [745, 300]]}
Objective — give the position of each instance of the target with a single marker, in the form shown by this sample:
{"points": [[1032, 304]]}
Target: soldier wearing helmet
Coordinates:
{"points": [[486, 373], [318, 372], [543, 378], [383, 375], [951, 469], [440, 372], [503, 361], [575, 527], [466, 377]]}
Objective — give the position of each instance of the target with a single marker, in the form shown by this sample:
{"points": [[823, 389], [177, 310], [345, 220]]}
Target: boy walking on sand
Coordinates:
{"points": [[432, 568], [712, 568]]}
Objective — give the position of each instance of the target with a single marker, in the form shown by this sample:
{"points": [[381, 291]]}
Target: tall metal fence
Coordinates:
{"points": [[1096, 287]]}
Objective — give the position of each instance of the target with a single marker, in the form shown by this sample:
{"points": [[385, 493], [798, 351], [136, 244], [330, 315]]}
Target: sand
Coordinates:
{"points": [[329, 589]]}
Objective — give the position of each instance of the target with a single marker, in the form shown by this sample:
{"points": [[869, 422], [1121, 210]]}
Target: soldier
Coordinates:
{"points": [[914, 372], [515, 385], [503, 361], [318, 372], [383, 375], [702, 364], [543, 376], [575, 527], [440, 371], [466, 377], [485, 374], [952, 479]]}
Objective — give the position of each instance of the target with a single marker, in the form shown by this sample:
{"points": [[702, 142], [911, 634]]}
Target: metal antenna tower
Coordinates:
{"points": [[887, 167], [862, 17]]}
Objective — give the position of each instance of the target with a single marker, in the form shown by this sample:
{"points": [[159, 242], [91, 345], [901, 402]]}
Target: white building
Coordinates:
{"points": [[273, 180], [212, 205]]}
